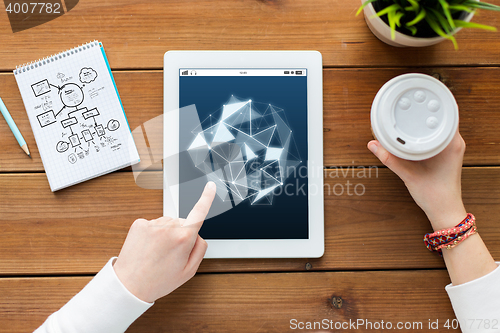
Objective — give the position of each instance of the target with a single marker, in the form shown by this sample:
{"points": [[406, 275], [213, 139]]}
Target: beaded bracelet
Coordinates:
{"points": [[449, 238], [448, 235], [460, 239]]}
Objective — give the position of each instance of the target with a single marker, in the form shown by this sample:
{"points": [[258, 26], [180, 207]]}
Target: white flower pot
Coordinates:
{"points": [[383, 32]]}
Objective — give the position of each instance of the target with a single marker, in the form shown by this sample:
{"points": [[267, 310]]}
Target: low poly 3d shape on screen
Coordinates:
{"points": [[247, 149]]}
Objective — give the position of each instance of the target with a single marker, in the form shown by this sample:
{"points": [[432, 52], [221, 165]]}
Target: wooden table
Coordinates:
{"points": [[375, 265]]}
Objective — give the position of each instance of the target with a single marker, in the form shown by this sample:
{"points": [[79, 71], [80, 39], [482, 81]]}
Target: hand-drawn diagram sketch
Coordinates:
{"points": [[84, 129]]}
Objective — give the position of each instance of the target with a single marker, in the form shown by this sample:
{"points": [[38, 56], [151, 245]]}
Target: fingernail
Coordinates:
{"points": [[210, 186], [373, 147]]}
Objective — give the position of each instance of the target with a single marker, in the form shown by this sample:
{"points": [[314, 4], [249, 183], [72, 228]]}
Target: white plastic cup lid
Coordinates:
{"points": [[414, 116]]}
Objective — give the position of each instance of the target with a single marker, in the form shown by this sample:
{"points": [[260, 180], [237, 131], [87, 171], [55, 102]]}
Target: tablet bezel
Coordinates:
{"points": [[313, 247]]}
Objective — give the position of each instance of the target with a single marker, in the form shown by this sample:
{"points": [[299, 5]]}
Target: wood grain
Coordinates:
{"points": [[78, 229], [253, 302], [137, 34], [348, 94]]}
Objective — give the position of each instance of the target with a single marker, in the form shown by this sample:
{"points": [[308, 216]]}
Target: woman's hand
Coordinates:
{"points": [[434, 184], [160, 255]]}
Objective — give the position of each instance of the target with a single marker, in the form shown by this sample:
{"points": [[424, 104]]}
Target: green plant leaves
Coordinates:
{"points": [[481, 5], [438, 14], [414, 6], [447, 13], [394, 20], [391, 10], [421, 15], [366, 3], [435, 26], [440, 20], [463, 24], [460, 8]]}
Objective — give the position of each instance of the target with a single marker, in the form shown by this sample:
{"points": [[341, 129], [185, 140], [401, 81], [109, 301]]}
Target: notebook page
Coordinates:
{"points": [[76, 116]]}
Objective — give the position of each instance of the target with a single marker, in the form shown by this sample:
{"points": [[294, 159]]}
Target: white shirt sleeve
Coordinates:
{"points": [[103, 306], [477, 303]]}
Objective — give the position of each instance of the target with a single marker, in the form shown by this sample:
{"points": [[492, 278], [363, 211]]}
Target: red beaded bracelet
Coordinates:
{"points": [[457, 241], [451, 237]]}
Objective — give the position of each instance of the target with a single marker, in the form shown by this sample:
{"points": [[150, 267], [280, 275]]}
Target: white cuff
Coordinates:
{"points": [[104, 305], [477, 303]]}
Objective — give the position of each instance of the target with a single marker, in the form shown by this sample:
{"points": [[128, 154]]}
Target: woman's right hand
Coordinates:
{"points": [[160, 255]]}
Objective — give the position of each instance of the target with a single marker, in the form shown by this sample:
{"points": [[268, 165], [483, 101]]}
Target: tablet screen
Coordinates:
{"points": [[250, 138]]}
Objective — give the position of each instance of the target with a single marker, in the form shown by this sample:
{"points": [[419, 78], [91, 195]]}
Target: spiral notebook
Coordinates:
{"points": [[76, 115]]}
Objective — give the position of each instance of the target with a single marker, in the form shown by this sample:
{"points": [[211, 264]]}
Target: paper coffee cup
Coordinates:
{"points": [[414, 116]]}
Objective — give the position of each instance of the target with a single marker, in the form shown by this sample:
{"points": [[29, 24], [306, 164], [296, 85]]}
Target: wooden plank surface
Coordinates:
{"points": [[137, 34], [78, 229], [75, 231], [255, 302], [348, 94]]}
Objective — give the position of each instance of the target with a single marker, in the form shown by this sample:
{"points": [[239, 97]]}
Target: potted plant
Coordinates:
{"points": [[421, 22]]}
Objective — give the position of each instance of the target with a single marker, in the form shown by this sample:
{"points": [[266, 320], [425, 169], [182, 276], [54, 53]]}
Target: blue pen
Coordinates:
{"points": [[13, 128]]}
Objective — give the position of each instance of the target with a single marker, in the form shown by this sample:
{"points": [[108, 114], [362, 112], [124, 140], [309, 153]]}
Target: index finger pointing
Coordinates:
{"points": [[200, 210]]}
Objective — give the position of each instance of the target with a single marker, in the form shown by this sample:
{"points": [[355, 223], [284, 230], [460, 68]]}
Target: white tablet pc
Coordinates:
{"points": [[252, 122]]}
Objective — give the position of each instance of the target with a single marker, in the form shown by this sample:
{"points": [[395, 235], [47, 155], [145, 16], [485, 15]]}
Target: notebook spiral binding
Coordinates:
{"points": [[53, 58]]}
